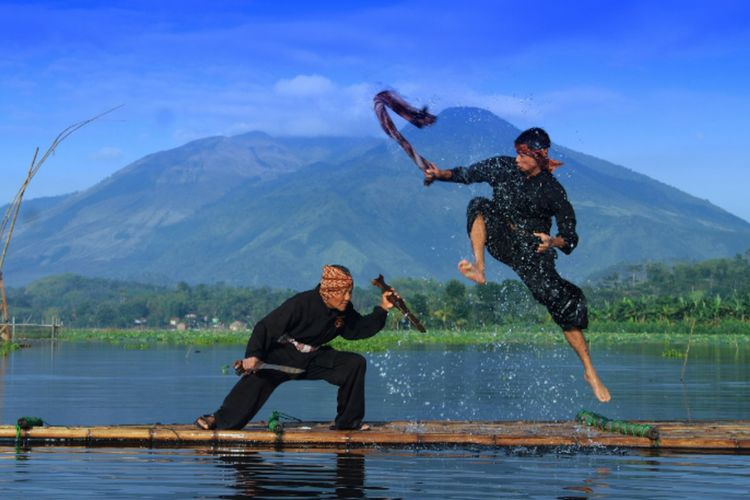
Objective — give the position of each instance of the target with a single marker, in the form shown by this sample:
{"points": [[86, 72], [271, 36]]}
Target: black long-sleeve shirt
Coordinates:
{"points": [[306, 318], [527, 202]]}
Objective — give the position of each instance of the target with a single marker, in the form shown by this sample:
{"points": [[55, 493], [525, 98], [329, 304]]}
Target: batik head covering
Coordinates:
{"points": [[535, 142], [335, 280]]}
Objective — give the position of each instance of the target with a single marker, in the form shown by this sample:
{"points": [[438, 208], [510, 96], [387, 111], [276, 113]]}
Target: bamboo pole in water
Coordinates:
{"points": [[687, 351], [725, 435], [5, 331]]}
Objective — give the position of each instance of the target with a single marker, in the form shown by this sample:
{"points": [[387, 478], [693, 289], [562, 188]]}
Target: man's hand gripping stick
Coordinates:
{"points": [[398, 302]]}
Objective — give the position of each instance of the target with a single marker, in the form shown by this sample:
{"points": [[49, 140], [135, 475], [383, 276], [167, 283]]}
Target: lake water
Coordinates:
{"points": [[89, 384]]}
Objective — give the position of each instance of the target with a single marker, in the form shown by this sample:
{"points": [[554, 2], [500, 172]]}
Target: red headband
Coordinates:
{"points": [[334, 281], [539, 155]]}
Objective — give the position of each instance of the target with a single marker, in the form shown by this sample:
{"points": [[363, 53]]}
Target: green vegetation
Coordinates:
{"points": [[674, 338], [528, 335], [645, 299], [7, 347], [672, 353], [149, 337], [79, 302], [707, 292], [387, 339]]}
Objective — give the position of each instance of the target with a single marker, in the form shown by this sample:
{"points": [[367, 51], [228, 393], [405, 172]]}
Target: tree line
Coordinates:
{"points": [[708, 291]]}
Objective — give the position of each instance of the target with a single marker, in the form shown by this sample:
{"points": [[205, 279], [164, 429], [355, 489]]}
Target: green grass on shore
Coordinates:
{"points": [[674, 334]]}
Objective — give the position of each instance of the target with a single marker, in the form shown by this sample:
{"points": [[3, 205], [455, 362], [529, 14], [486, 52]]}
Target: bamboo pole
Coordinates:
{"points": [[687, 350], [8, 222], [725, 435], [5, 333]]}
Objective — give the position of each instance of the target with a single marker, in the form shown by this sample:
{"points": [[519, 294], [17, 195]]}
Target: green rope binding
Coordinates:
{"points": [[628, 428], [275, 423], [26, 423]]}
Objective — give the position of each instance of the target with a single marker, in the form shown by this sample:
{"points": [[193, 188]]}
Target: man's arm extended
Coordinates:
{"points": [[360, 327], [482, 171]]}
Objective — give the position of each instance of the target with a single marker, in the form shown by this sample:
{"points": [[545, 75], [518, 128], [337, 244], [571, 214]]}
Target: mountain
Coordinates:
{"points": [[259, 210]]}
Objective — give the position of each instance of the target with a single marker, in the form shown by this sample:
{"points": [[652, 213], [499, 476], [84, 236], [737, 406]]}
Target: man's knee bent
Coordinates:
{"points": [[354, 363], [478, 207]]}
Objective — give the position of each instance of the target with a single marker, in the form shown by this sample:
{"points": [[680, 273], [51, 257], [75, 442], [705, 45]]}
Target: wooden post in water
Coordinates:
{"points": [[687, 350], [5, 333]]}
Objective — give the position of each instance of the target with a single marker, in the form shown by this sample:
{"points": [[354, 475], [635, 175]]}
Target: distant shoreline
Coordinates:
{"points": [[673, 336]]}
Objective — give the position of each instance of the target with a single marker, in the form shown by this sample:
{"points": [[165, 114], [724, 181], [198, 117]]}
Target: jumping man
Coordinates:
{"points": [[515, 228]]}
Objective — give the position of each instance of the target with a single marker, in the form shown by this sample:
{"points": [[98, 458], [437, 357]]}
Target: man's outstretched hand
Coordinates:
{"points": [[432, 173]]}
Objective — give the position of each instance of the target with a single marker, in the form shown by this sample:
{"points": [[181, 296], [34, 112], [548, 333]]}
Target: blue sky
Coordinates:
{"points": [[657, 86]]}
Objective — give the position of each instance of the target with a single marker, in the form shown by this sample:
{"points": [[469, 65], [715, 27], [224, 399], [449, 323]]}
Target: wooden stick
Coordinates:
{"points": [[11, 214], [687, 350], [398, 302]]}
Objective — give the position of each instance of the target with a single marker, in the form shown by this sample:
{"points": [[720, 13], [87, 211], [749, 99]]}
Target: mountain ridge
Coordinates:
{"points": [[259, 210]]}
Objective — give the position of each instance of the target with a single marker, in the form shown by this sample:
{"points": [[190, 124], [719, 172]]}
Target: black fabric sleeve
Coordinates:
{"points": [[259, 342], [566, 220], [358, 327], [273, 326], [483, 171]]}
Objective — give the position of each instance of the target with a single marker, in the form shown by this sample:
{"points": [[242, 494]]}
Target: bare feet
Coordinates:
{"points": [[472, 272], [600, 390]]}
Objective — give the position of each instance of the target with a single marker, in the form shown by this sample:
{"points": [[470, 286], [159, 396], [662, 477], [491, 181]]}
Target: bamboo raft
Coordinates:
{"points": [[703, 435]]}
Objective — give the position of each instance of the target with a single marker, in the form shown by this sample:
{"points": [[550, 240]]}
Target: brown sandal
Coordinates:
{"points": [[206, 422]]}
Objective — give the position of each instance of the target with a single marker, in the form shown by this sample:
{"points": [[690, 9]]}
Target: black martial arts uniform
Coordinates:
{"points": [[521, 206], [305, 319]]}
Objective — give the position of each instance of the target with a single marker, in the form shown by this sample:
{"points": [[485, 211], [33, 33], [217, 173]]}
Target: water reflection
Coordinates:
{"points": [[593, 486], [80, 472], [292, 475]]}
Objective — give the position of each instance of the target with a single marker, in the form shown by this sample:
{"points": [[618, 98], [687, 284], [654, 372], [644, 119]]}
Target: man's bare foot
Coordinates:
{"points": [[600, 390], [470, 271]]}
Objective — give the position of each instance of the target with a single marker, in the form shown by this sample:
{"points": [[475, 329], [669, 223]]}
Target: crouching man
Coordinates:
{"points": [[290, 343]]}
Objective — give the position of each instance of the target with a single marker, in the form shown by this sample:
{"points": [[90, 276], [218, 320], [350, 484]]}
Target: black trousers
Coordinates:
{"points": [[516, 248], [343, 369]]}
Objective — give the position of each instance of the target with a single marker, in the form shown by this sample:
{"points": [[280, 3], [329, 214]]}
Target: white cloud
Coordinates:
{"points": [[304, 86]]}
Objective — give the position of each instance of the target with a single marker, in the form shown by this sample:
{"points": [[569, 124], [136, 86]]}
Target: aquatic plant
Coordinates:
{"points": [[7, 346], [672, 353]]}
